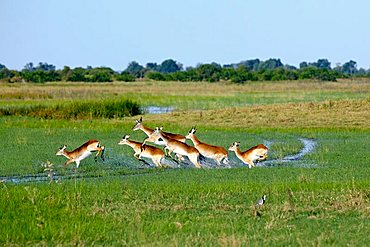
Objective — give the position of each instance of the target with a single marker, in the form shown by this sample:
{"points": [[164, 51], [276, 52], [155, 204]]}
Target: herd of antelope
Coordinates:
{"points": [[173, 143]]}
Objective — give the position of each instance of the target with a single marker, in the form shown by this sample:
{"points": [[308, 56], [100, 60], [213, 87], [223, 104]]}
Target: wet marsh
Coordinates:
{"points": [[316, 177]]}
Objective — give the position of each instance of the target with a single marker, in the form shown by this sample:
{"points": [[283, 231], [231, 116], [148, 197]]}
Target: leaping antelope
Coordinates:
{"points": [[82, 152], [176, 146], [148, 131], [146, 151], [210, 151], [248, 157]]}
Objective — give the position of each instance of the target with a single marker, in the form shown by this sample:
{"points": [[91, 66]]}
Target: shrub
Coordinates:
{"points": [[125, 76]]}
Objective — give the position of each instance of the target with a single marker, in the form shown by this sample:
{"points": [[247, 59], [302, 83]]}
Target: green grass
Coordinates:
{"points": [[191, 207], [186, 96], [120, 202], [75, 110]]}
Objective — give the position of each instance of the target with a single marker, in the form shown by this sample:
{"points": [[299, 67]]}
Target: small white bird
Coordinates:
{"points": [[261, 201]]}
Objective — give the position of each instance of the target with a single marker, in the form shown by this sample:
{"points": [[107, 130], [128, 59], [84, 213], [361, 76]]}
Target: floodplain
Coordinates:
{"points": [[316, 178]]}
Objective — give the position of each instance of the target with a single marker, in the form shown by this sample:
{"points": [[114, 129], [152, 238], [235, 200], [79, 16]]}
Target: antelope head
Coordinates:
{"points": [[124, 140], [191, 133], [61, 150], [234, 146], [154, 136], [138, 124]]}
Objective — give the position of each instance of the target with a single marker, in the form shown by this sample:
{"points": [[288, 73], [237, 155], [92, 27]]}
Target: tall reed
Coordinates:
{"points": [[76, 110]]}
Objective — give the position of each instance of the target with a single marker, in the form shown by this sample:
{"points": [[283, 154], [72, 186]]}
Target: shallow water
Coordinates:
{"points": [[294, 160], [114, 160], [158, 109]]}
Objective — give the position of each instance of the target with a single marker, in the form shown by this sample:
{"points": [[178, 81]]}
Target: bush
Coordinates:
{"points": [[125, 76], [40, 76], [156, 76]]}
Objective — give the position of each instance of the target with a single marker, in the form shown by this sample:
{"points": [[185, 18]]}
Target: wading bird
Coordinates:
{"points": [[261, 201]]}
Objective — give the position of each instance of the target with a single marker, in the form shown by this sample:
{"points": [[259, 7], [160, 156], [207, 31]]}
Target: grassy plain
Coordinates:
{"points": [[186, 96], [120, 202]]}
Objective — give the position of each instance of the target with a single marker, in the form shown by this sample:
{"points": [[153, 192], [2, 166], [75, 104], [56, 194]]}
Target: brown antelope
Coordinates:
{"points": [[176, 146], [146, 151], [148, 131], [210, 151], [248, 157], [82, 152]]}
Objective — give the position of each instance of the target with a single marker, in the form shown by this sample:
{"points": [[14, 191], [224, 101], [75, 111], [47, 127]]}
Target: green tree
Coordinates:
{"points": [[227, 73], [312, 72], [76, 74], [322, 64], [252, 64], [5, 73], [45, 67], [64, 73], [152, 66], [156, 76], [303, 65], [209, 72], [100, 74], [37, 76], [169, 66], [125, 76], [269, 64], [134, 68], [349, 67], [180, 76]]}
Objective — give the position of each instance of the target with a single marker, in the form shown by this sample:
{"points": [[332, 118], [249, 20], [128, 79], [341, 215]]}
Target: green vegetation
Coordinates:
{"points": [[170, 70], [191, 207], [75, 110], [185, 96], [123, 202]]}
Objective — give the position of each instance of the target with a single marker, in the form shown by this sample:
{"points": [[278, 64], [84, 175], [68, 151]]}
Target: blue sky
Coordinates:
{"points": [[115, 32]]}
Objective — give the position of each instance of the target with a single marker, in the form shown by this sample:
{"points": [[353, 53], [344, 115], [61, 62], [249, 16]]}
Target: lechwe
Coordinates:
{"points": [[210, 151], [148, 131], [146, 151], [256, 153], [82, 152], [172, 145]]}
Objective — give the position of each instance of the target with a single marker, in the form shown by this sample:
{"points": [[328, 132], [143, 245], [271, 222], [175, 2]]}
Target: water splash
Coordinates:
{"points": [[294, 160], [116, 161]]}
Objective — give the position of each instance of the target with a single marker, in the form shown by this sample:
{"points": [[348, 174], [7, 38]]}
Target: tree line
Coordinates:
{"points": [[170, 70]]}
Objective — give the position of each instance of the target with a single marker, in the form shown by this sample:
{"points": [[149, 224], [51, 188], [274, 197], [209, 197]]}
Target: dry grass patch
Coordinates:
{"points": [[70, 90], [329, 114]]}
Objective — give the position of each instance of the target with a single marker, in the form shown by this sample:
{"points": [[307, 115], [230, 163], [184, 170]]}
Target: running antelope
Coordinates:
{"points": [[82, 152], [146, 151], [210, 151], [248, 157], [148, 131], [172, 145]]}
